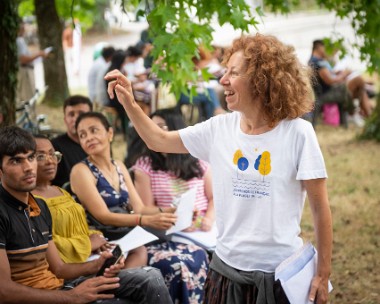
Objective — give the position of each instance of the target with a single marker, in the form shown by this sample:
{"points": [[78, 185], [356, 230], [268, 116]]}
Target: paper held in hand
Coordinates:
{"points": [[184, 212], [133, 239], [296, 272]]}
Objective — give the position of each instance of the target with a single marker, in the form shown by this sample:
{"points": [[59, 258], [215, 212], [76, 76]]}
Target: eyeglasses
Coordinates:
{"points": [[54, 156]]}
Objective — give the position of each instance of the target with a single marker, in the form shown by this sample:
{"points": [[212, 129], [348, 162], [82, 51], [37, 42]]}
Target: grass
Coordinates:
{"points": [[354, 193]]}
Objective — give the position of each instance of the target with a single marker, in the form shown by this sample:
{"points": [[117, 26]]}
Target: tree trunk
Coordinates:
{"points": [[50, 34], [9, 61]]}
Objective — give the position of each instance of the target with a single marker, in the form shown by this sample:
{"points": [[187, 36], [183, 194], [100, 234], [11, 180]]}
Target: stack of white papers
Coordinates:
{"points": [[296, 273]]}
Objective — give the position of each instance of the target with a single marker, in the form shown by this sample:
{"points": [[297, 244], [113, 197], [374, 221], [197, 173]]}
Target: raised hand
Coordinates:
{"points": [[119, 84]]}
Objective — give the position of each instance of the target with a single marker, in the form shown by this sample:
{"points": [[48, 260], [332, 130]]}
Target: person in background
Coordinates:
{"points": [[209, 62], [145, 44], [102, 184], [134, 62], [30, 266], [26, 85], [68, 143], [77, 47], [124, 61], [265, 159], [74, 240], [98, 95], [331, 87], [67, 44]]}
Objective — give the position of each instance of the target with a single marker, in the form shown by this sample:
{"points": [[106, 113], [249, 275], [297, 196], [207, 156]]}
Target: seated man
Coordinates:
{"points": [[330, 87], [30, 266], [68, 143]]}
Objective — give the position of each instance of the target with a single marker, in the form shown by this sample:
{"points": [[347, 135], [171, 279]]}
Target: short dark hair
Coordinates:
{"points": [[108, 51], [75, 100], [14, 140], [117, 60], [96, 115], [317, 43], [134, 51]]}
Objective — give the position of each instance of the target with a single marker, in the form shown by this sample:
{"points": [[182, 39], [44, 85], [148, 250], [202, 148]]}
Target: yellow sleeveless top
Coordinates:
{"points": [[70, 228]]}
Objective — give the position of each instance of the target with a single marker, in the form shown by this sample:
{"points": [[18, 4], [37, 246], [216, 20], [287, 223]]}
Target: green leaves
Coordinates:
{"points": [[365, 21], [178, 28]]}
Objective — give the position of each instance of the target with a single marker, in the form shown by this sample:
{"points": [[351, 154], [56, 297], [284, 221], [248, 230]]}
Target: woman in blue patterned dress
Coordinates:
{"points": [[102, 183]]}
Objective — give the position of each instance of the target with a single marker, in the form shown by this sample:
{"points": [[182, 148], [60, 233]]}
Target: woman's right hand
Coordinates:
{"points": [[119, 84], [97, 242], [162, 221]]}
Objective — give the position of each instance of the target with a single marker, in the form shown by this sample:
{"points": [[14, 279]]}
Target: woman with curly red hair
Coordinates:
{"points": [[265, 159]]}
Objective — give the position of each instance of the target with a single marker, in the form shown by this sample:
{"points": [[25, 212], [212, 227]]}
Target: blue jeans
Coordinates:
{"points": [[137, 286]]}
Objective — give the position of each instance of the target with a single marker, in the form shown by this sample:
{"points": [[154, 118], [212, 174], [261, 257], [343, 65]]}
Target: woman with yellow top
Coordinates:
{"points": [[71, 234]]}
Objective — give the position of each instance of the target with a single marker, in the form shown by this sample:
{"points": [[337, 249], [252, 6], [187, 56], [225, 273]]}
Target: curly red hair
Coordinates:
{"points": [[277, 77]]}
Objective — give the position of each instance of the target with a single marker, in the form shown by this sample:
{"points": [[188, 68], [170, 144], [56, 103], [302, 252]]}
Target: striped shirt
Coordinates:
{"points": [[166, 186]]}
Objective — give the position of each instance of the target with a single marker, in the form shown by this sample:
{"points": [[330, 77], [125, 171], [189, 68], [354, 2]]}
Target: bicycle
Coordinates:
{"points": [[35, 124]]}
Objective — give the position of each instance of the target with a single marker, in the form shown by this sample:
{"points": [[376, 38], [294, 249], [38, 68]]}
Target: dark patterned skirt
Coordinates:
{"points": [[220, 289], [184, 268]]}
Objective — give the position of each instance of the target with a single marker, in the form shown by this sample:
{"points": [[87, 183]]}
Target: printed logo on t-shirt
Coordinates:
{"points": [[251, 179]]}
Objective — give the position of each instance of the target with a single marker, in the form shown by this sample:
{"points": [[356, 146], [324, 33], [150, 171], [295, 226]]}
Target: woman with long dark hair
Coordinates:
{"points": [[161, 177]]}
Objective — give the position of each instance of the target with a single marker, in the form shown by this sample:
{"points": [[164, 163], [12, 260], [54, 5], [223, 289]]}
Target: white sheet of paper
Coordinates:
{"points": [[205, 239], [184, 211], [135, 238]]}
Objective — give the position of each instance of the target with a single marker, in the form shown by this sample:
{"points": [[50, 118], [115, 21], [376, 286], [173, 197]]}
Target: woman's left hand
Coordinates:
{"points": [[319, 290]]}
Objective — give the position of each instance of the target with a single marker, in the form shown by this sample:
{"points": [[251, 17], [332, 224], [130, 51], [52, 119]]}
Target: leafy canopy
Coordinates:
{"points": [[84, 10], [179, 27]]}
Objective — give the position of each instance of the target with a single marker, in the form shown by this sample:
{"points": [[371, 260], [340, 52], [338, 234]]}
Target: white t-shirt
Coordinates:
{"points": [[257, 186], [22, 48]]}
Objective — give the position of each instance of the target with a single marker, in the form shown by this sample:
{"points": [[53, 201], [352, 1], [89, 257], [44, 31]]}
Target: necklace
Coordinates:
{"points": [[112, 178], [111, 175]]}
